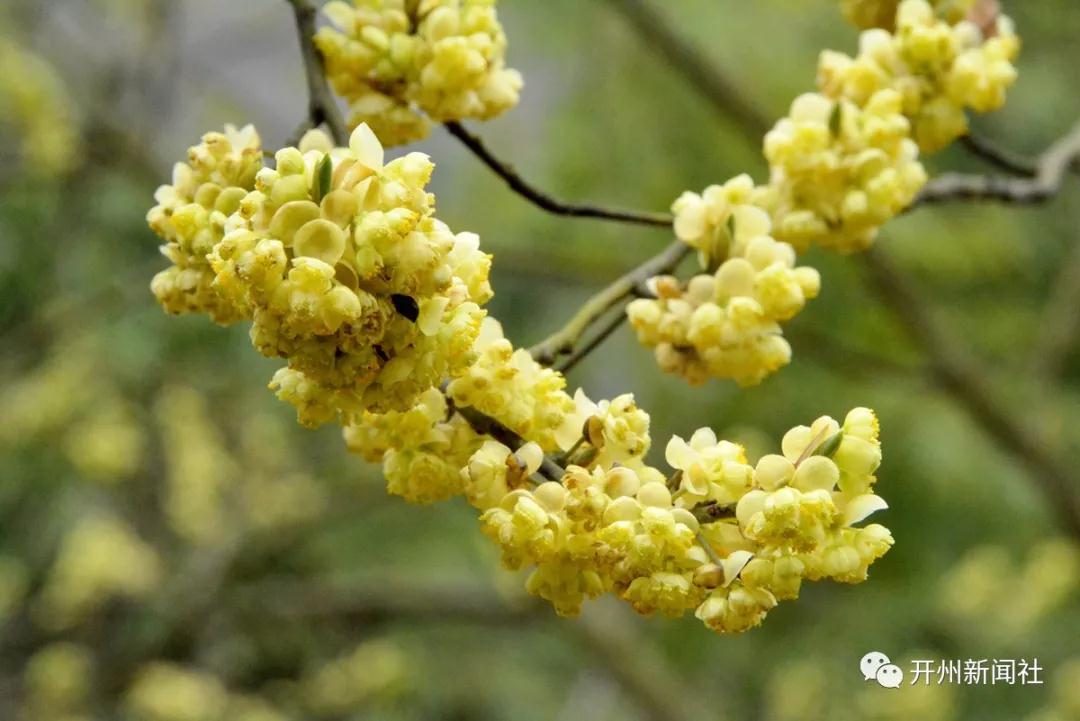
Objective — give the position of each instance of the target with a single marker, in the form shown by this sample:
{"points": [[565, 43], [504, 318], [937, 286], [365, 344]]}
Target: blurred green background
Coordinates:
{"points": [[173, 547]]}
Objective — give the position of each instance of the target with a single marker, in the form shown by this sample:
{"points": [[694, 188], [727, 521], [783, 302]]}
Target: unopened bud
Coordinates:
{"points": [[709, 576]]}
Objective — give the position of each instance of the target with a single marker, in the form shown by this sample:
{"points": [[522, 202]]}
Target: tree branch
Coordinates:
{"points": [[961, 376], [322, 107], [721, 91], [606, 329], [1051, 168], [389, 599], [564, 341], [486, 425], [1001, 158], [631, 660], [541, 199], [639, 666]]}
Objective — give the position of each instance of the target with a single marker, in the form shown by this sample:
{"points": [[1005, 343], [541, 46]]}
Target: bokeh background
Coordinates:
{"points": [[173, 547]]}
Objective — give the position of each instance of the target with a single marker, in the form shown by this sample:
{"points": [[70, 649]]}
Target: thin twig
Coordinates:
{"points": [[607, 328], [541, 199], [1051, 169], [639, 667], [1001, 158], [631, 659], [721, 91], [322, 107], [961, 376], [812, 446], [387, 599], [563, 341], [709, 550]]}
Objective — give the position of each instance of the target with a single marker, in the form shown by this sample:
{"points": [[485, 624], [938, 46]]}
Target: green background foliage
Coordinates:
{"points": [[603, 119]]}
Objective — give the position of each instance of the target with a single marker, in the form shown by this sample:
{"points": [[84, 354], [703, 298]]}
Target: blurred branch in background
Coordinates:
{"points": [[566, 340], [960, 375], [609, 634], [950, 363], [715, 86], [1059, 327]]}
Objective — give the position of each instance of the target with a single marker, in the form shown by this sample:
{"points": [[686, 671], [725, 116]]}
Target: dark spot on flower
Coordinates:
{"points": [[406, 305]]}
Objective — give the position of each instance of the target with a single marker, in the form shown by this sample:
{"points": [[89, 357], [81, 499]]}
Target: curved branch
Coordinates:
{"points": [[1049, 175], [541, 199], [486, 425], [564, 341], [322, 107], [1002, 158]]}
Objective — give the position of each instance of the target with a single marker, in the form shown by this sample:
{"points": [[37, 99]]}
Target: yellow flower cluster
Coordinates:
{"points": [[198, 469], [422, 449], [722, 537], [166, 692], [844, 161], [508, 385], [402, 63], [163, 691], [610, 522], [66, 397], [101, 558], [34, 101], [372, 669], [427, 452], [840, 170], [971, 590], [44, 400], [725, 324], [109, 444], [14, 585], [1064, 702], [882, 13], [939, 69], [337, 259], [190, 217], [58, 682]]}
